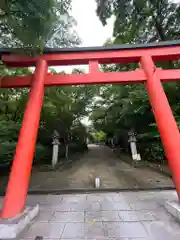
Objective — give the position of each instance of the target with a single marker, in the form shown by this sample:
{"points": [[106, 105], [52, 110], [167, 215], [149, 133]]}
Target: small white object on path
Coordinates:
{"points": [[97, 182]]}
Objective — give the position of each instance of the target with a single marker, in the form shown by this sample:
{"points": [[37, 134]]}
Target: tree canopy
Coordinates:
{"points": [[125, 107], [141, 20], [30, 24], [63, 109]]}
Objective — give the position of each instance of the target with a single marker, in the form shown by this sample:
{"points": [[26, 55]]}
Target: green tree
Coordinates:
{"points": [[141, 20], [126, 107], [35, 24], [63, 109]]}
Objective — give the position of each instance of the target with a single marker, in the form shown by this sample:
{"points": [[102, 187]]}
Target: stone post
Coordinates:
{"points": [[55, 144], [132, 140]]}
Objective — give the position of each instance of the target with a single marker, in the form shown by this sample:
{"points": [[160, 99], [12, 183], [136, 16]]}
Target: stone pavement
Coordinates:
{"points": [[123, 216]]}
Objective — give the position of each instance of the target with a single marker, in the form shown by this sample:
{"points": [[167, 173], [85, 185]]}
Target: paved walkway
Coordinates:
{"points": [[115, 216]]}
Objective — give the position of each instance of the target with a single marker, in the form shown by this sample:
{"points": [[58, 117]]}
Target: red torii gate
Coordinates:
{"points": [[146, 55]]}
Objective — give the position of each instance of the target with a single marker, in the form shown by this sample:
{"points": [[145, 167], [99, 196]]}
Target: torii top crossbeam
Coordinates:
{"points": [[93, 56], [126, 53]]}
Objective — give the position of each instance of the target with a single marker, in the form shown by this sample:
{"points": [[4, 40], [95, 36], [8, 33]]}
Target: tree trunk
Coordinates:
{"points": [[67, 151]]}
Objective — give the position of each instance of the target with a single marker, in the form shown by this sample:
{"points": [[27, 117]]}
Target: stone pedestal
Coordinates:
{"points": [[173, 207], [12, 227]]}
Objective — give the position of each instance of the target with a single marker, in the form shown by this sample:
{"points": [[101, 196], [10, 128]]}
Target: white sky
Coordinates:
{"points": [[89, 27]]}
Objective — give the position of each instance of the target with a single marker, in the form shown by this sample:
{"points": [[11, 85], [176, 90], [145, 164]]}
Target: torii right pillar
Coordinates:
{"points": [[165, 120]]}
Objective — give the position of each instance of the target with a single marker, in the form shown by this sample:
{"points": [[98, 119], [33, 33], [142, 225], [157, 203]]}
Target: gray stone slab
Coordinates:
{"points": [[94, 197], [68, 217], [81, 198], [173, 207], [107, 205], [46, 230], [163, 215], [11, 228], [127, 217], [50, 202], [102, 238], [90, 206], [84, 230], [102, 216], [137, 216], [135, 197], [118, 198], [160, 230], [45, 216], [101, 197], [144, 205], [125, 229], [72, 207], [44, 200]]}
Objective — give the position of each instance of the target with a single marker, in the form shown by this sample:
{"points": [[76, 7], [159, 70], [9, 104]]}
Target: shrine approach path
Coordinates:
{"points": [[99, 161]]}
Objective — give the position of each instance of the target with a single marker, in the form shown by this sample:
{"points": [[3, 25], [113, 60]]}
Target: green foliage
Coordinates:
{"points": [[8, 137], [98, 136], [63, 109], [126, 107], [141, 20], [65, 105], [32, 25]]}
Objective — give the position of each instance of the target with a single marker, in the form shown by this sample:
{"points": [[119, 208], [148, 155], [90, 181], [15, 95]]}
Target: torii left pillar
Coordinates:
{"points": [[16, 193]]}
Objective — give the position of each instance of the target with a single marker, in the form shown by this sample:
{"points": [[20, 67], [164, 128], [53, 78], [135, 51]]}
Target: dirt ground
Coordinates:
{"points": [[101, 162]]}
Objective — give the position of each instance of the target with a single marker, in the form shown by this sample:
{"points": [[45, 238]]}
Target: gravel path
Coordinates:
{"points": [[98, 161]]}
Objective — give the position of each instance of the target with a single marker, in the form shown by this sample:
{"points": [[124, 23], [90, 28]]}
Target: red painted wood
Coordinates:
{"points": [[103, 57], [170, 75], [15, 81], [21, 169], [76, 79], [137, 76], [165, 120], [94, 67]]}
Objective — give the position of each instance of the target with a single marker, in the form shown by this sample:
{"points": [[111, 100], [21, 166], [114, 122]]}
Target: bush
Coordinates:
{"points": [[7, 150]]}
